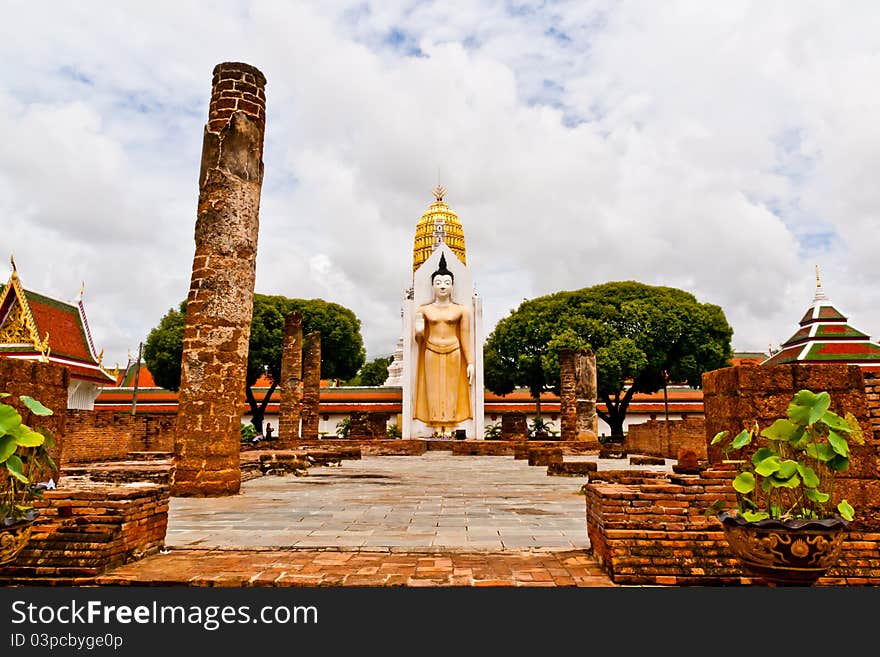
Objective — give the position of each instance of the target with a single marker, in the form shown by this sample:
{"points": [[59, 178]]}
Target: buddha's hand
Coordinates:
{"points": [[470, 373], [419, 325]]}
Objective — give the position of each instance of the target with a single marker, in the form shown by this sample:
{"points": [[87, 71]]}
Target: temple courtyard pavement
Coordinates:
{"points": [[429, 520]]}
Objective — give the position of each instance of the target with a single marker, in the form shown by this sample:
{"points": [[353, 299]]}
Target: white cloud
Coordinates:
{"points": [[722, 148]]}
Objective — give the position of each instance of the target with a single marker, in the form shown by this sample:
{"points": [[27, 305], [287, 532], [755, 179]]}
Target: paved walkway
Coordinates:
{"points": [[430, 520]]}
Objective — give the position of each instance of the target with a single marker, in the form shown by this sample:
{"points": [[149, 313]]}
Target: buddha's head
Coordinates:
{"points": [[442, 280]]}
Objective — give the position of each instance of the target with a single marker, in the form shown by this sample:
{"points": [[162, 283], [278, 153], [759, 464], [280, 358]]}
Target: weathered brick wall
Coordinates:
{"points": [[872, 400], [735, 397], [652, 530], [45, 382], [221, 293], [109, 435], [662, 438], [514, 426], [482, 447], [86, 528], [386, 447]]}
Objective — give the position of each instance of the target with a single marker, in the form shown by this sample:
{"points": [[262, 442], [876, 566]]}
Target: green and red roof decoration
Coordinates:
{"points": [[825, 336], [36, 327]]}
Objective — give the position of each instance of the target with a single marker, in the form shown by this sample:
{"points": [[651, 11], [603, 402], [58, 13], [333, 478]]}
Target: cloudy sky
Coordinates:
{"points": [[722, 148]]}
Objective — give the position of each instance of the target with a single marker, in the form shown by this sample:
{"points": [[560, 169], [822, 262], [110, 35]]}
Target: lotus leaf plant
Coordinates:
{"points": [[24, 456], [791, 474]]}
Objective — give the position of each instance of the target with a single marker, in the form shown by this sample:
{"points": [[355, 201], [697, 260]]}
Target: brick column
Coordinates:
{"points": [[360, 426], [291, 378], [513, 426], [586, 393], [567, 399], [221, 295], [311, 395]]}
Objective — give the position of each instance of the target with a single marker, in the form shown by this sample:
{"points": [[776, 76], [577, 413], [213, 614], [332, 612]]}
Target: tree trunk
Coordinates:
{"points": [[258, 409]]}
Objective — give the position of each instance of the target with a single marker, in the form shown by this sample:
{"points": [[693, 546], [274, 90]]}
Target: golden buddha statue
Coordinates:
{"points": [[445, 366]]}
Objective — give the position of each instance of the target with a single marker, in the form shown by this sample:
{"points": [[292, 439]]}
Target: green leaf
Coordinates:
{"points": [[781, 430], [768, 466], [817, 495], [721, 435], [839, 463], [7, 447], [787, 469], [9, 419], [785, 482], [839, 443], [26, 437], [762, 453], [856, 434], [820, 451], [834, 421], [5, 394], [806, 407], [14, 465], [34, 406], [744, 483], [846, 510], [751, 516], [742, 439], [811, 479]]}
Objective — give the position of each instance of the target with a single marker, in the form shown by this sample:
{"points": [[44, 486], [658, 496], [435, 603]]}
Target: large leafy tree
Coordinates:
{"points": [[644, 337], [373, 373], [342, 348]]}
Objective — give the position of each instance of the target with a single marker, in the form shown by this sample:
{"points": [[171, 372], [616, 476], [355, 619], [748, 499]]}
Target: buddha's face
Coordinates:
{"points": [[442, 286]]}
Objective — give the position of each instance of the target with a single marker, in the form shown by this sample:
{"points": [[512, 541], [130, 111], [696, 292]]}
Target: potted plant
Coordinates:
{"points": [[785, 527], [24, 456]]}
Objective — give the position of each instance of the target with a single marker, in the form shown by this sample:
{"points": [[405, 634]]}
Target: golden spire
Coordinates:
{"points": [[438, 224], [820, 295]]}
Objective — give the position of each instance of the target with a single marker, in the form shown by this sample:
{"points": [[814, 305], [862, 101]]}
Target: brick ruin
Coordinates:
{"points": [[666, 438], [651, 529], [311, 396], [101, 435], [291, 378], [84, 526], [220, 302]]}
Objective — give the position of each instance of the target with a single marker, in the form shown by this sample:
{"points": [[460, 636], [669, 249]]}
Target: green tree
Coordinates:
{"points": [[373, 373], [644, 337], [342, 349]]}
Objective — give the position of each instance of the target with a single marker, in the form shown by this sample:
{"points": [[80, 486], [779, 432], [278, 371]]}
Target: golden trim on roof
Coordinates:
{"points": [[22, 329]]}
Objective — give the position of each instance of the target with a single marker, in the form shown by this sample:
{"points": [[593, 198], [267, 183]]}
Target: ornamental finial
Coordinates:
{"points": [[820, 295], [439, 192], [12, 262]]}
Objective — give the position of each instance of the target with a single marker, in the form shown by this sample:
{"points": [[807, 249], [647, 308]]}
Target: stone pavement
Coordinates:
{"points": [[430, 520]]}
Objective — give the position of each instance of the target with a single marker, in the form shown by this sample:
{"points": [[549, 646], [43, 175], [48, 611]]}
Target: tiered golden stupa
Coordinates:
{"points": [[438, 224]]}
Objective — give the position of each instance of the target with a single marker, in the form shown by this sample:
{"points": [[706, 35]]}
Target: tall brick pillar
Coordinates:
{"points": [[311, 385], [567, 398], [291, 378], [586, 394], [221, 295]]}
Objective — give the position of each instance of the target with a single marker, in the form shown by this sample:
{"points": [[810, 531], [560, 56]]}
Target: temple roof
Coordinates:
{"points": [[438, 224], [825, 336], [36, 327]]}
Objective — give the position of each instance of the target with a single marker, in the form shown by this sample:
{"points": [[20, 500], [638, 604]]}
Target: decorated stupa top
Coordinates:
{"points": [[438, 224]]}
